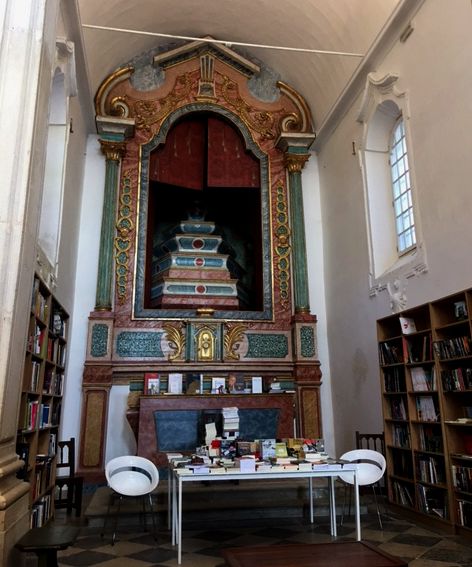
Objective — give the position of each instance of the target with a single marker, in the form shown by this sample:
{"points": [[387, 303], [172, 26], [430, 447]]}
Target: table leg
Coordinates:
{"points": [[169, 497], [174, 510], [310, 491], [358, 509], [179, 525], [332, 506]]}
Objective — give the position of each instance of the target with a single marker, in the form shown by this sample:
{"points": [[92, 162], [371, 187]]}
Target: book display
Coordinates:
{"points": [[41, 399], [425, 357]]}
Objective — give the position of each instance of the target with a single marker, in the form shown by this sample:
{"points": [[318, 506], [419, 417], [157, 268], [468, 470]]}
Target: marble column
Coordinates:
{"points": [[113, 152], [294, 163], [113, 133], [295, 147]]}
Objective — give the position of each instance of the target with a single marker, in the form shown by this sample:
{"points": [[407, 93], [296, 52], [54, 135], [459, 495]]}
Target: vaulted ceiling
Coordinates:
{"points": [[341, 26]]}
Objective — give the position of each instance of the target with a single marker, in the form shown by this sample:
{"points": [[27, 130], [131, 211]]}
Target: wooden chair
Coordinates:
{"points": [[374, 442], [68, 486]]}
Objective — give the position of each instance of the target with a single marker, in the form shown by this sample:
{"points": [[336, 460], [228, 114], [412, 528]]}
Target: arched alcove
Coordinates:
{"points": [[203, 156]]}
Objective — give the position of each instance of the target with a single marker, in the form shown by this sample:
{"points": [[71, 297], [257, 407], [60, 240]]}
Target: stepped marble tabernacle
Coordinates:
{"points": [[195, 267]]}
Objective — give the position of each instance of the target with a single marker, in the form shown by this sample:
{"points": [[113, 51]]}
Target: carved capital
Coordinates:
{"points": [[113, 151], [294, 163]]}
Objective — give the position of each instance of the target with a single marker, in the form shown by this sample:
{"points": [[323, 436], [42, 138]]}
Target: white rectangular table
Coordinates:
{"points": [[179, 476]]}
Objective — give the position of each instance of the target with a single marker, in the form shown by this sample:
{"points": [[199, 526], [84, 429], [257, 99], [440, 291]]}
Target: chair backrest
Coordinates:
{"points": [[373, 441], [370, 466], [132, 476], [65, 461]]}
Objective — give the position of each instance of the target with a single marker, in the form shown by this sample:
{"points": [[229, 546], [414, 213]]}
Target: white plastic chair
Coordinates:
{"points": [[131, 476], [370, 469]]}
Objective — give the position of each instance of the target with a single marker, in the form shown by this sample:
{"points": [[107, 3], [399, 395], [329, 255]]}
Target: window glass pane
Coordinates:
{"points": [[401, 188]]}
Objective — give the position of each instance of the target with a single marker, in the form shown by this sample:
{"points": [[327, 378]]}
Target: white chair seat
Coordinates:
{"points": [[132, 476], [370, 469]]}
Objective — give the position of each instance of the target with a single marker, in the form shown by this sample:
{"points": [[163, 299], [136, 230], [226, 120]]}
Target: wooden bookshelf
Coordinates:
{"points": [[425, 357], [41, 399]]}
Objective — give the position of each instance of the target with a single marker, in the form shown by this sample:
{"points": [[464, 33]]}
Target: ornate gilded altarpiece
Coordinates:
{"points": [[136, 108]]}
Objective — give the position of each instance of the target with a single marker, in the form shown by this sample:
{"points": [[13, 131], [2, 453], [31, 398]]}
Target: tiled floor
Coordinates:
{"points": [[202, 543]]}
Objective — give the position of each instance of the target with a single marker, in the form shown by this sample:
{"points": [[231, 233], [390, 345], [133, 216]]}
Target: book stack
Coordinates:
{"points": [[230, 422]]}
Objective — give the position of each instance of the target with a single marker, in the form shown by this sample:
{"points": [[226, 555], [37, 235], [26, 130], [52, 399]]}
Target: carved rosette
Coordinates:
{"points": [[282, 246], [125, 229]]}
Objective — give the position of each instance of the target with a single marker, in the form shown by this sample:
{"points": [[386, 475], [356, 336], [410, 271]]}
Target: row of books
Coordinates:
{"points": [[390, 353], [457, 379], [452, 348], [40, 415], [394, 379], [35, 375], [56, 351], [189, 383], [41, 511], [423, 379], [462, 478], [426, 408], [430, 469], [37, 343], [42, 475], [418, 349], [401, 436], [431, 438], [402, 494], [432, 500], [398, 408], [464, 512], [53, 382]]}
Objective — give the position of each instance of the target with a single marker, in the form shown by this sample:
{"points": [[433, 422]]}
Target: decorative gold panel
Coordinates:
{"points": [[125, 229], [282, 246]]}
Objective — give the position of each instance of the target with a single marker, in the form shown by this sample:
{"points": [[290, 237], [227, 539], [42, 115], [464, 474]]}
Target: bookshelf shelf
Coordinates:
{"points": [[41, 397], [425, 360]]}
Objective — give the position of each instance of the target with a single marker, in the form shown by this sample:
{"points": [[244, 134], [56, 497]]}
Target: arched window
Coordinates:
{"points": [[395, 245]]}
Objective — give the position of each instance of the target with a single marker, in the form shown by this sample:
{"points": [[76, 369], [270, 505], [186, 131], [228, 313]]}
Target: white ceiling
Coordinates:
{"points": [[330, 25]]}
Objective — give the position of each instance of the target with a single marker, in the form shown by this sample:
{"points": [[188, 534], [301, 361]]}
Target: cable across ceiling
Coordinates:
{"points": [[227, 43]]}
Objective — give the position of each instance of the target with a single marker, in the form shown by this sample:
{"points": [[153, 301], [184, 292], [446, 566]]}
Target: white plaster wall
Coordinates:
{"points": [[120, 438], [314, 248], [90, 214], [434, 69]]}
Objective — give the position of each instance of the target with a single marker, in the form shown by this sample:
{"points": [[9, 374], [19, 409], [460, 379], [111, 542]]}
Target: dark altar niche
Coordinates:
{"points": [[203, 164]]}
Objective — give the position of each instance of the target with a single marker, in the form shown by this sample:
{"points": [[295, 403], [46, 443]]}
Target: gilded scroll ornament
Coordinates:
{"points": [[232, 339], [261, 122], [176, 341], [124, 227], [282, 246], [150, 112]]}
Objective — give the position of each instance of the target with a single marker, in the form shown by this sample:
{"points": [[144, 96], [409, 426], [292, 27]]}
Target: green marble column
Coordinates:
{"points": [[294, 163], [113, 152]]}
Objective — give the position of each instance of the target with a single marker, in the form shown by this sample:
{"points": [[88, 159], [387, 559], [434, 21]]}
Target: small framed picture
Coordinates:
{"points": [[218, 385], [460, 310], [151, 383]]}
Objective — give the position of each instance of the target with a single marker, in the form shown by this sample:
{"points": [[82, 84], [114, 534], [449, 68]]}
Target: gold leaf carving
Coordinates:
{"points": [[150, 112], [232, 338], [176, 341], [260, 121]]}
